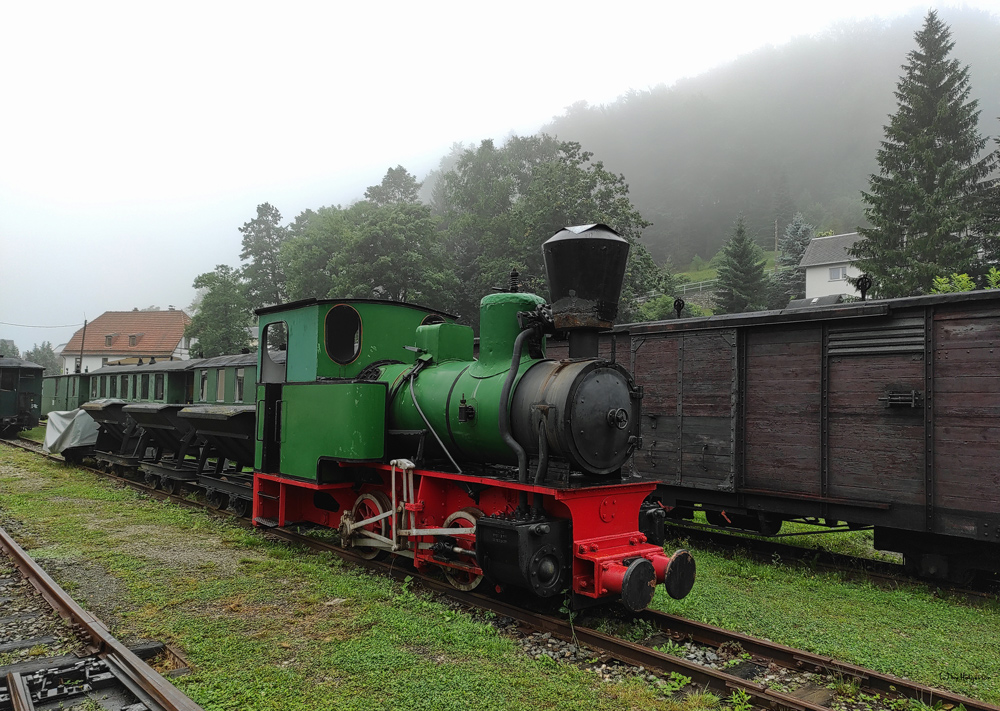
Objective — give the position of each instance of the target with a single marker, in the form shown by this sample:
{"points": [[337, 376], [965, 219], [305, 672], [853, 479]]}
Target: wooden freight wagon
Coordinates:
{"points": [[881, 413]]}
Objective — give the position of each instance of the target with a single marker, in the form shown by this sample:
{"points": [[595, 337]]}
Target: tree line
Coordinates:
{"points": [[490, 208], [933, 209]]}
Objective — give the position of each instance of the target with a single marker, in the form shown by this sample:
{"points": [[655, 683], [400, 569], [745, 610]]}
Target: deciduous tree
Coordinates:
{"points": [[263, 273], [222, 324], [926, 205], [44, 356], [397, 187]]}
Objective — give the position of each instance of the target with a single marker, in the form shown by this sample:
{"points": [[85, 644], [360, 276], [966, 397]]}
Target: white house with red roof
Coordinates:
{"points": [[118, 335]]}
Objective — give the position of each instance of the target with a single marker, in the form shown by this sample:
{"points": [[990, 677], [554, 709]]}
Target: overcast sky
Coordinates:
{"points": [[136, 138]]}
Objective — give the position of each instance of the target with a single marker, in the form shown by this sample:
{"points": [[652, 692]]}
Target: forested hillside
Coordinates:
{"points": [[786, 129]]}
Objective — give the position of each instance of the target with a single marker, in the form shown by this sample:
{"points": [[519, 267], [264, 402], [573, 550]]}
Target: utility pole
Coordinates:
{"points": [[775, 246]]}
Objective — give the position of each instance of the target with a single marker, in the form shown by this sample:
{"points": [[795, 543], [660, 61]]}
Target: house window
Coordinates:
{"points": [[220, 385], [107, 341], [158, 387], [203, 389], [145, 386], [838, 273], [131, 341], [104, 362], [239, 386]]}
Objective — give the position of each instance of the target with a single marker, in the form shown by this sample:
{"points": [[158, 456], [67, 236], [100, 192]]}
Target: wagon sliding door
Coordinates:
{"points": [[874, 412], [689, 382]]}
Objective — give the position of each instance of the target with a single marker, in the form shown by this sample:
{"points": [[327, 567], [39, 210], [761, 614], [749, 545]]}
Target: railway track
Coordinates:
{"points": [[742, 668], [58, 656]]}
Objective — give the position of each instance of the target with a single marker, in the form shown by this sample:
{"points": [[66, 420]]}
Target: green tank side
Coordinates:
{"points": [[441, 386], [331, 421]]}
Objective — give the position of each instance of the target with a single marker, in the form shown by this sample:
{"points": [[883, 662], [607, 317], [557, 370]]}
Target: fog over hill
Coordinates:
{"points": [[784, 129]]}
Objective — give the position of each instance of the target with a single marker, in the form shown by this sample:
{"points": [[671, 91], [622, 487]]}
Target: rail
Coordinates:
{"points": [[141, 679]]}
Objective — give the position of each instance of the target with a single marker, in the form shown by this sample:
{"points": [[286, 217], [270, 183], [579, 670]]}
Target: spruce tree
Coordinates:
{"points": [[791, 279], [926, 205], [742, 283]]}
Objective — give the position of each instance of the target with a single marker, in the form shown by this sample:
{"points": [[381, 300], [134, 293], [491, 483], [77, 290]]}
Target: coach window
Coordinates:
{"points": [[220, 385], [93, 387], [124, 387], [238, 395], [72, 387], [273, 363], [158, 386], [57, 386], [203, 387], [112, 386], [104, 385], [145, 386], [8, 379], [343, 334]]}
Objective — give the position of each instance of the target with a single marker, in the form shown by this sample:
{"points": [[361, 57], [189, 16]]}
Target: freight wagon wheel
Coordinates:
{"points": [[218, 500], [241, 507], [369, 506], [152, 480], [462, 579], [171, 486]]}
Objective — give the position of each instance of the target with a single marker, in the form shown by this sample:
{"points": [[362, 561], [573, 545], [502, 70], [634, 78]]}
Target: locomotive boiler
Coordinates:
{"points": [[508, 467]]}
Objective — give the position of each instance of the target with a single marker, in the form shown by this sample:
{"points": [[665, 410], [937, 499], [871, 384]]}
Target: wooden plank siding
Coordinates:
{"points": [[782, 431], [688, 407], [966, 418], [875, 453]]}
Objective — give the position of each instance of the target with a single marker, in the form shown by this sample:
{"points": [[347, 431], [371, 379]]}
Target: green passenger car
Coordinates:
{"points": [[225, 380], [20, 395], [64, 392], [169, 381]]}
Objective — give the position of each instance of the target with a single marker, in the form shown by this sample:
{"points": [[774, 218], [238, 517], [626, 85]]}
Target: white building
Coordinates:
{"points": [[127, 335], [828, 265]]}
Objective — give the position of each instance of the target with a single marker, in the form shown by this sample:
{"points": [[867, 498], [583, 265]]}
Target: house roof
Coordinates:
{"points": [[829, 250], [157, 334]]}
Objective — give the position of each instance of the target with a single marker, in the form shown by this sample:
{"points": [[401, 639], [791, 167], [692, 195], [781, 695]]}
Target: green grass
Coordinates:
{"points": [[258, 620], [711, 272], [912, 631], [253, 616], [35, 434]]}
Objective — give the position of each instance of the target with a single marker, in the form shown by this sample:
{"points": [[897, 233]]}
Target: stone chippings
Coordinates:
{"points": [[24, 615], [539, 645]]}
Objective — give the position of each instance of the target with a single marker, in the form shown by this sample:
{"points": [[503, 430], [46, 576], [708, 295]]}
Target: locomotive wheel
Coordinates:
{"points": [[368, 506], [461, 579]]}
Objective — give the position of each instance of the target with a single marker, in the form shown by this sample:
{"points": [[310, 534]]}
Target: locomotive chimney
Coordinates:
{"points": [[585, 267]]}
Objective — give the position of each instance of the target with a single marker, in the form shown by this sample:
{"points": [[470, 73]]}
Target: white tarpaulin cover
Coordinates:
{"points": [[69, 428]]}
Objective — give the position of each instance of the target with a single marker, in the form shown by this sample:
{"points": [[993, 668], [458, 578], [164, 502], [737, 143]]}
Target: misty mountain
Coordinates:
{"points": [[780, 130]]}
